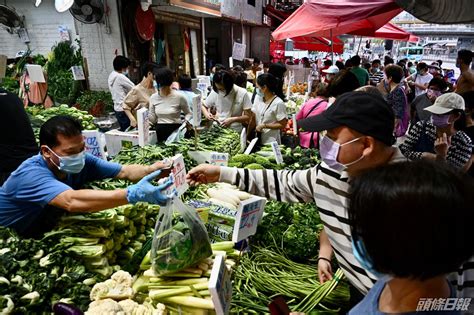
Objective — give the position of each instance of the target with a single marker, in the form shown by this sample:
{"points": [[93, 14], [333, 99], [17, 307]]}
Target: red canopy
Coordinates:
{"points": [[311, 44], [328, 18], [388, 31]]}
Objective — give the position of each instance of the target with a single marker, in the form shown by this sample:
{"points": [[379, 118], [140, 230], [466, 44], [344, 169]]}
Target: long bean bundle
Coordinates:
{"points": [[266, 273]]}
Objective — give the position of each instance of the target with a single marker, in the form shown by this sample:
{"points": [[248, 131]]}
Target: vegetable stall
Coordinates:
{"points": [[145, 259]]}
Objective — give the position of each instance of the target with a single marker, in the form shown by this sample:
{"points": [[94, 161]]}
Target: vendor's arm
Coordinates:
{"points": [[133, 121], [287, 186], [89, 200], [135, 172]]}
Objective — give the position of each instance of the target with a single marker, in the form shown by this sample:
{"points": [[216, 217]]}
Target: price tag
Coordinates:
{"points": [[295, 126], [93, 143], [197, 100], [251, 145], [143, 127], [243, 140], [248, 216], [178, 174], [220, 286], [219, 159], [202, 87], [277, 152]]}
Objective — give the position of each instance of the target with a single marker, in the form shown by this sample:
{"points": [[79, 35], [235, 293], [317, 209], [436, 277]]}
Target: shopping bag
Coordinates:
{"points": [[177, 135], [180, 239]]}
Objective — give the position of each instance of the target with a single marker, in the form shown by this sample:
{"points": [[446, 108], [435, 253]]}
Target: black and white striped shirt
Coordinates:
{"points": [[459, 152], [329, 189]]}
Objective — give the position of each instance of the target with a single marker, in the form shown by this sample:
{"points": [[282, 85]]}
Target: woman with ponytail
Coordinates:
{"points": [[269, 108]]}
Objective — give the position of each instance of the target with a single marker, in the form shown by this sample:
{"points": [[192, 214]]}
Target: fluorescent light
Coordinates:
{"points": [[63, 5]]}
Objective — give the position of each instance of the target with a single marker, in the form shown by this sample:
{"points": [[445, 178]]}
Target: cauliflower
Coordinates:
{"points": [[128, 306], [117, 288], [160, 309], [105, 307], [123, 278]]}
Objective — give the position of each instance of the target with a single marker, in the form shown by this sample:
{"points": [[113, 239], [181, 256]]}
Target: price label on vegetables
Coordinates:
{"points": [[220, 286], [248, 216], [93, 143], [178, 173], [277, 152], [219, 159]]}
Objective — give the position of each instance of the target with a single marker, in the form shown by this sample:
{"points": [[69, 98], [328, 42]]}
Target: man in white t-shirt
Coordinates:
{"points": [[119, 86], [420, 80], [232, 103]]}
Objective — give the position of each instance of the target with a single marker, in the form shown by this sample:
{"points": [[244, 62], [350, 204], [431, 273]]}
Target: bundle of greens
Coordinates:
{"points": [[266, 273], [34, 276], [294, 228], [180, 239]]}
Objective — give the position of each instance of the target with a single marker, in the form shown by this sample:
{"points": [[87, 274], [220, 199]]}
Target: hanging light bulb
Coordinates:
{"points": [[37, 3], [63, 5]]}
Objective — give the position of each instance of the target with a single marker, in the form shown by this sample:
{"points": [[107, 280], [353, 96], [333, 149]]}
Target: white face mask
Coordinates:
{"points": [[222, 93]]}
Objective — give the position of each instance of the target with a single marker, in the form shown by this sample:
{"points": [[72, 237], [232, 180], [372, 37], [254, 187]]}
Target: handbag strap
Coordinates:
{"points": [[313, 108]]}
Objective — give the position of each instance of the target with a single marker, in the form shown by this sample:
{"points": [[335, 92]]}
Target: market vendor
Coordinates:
{"points": [[359, 136], [231, 102], [56, 176]]}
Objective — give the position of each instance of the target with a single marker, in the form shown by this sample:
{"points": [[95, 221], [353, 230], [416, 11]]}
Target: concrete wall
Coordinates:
{"points": [[42, 24], [240, 8], [99, 47]]}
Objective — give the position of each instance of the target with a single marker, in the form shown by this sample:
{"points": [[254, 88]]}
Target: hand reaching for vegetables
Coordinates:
{"points": [[227, 122], [145, 191], [324, 270], [203, 174], [441, 146]]}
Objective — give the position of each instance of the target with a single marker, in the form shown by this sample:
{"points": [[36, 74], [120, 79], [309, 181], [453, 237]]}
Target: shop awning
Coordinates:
{"points": [[327, 18], [318, 44], [388, 31]]}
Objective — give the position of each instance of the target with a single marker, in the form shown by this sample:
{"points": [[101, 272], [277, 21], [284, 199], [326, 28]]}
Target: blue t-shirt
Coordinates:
{"points": [[33, 185], [370, 304]]}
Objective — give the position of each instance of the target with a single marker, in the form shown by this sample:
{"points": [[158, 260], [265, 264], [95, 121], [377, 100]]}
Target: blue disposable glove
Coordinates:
{"points": [[145, 191]]}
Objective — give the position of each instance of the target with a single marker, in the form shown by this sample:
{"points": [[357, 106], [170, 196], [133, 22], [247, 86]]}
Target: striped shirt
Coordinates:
{"points": [[459, 152], [375, 78], [329, 189]]}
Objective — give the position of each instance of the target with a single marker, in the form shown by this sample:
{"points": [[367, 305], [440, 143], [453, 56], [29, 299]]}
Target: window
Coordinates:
{"points": [[251, 2]]}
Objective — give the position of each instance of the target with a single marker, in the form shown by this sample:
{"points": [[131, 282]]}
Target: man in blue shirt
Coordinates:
{"points": [[56, 175]]}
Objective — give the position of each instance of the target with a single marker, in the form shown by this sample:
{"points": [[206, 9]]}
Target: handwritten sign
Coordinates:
{"points": [[178, 174], [93, 143], [219, 159], [220, 286], [243, 140], [78, 73], [251, 146], [197, 114], [248, 216], [277, 152], [36, 73], [238, 51], [143, 127]]}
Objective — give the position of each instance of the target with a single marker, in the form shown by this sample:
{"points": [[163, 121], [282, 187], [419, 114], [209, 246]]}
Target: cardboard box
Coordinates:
{"points": [[116, 140]]}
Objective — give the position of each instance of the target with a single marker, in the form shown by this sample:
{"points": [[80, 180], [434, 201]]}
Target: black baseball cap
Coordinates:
{"points": [[366, 113]]}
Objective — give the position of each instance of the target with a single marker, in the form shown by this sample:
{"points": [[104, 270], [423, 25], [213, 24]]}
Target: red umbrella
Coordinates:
{"points": [[328, 18], [388, 31]]}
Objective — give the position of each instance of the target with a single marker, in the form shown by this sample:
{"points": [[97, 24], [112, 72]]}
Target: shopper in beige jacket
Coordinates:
{"points": [[139, 96]]}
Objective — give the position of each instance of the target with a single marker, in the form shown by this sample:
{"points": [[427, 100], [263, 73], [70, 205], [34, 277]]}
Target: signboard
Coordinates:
{"points": [[295, 126], [178, 174], [238, 51], [277, 152], [204, 79], [3, 66], [36, 73], [212, 7], [78, 73], [220, 286], [23, 34], [64, 33], [248, 216], [243, 140], [197, 114], [143, 127], [93, 143], [251, 145], [203, 88], [219, 159]]}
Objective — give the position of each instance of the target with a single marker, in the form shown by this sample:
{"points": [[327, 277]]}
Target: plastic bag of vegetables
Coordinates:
{"points": [[180, 239]]}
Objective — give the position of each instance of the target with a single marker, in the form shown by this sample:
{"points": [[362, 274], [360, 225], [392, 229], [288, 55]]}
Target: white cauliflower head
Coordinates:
{"points": [[105, 307], [123, 278], [128, 306]]}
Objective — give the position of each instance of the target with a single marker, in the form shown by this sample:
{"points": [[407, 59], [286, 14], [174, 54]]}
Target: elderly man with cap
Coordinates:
{"points": [[441, 138], [359, 137], [330, 73]]}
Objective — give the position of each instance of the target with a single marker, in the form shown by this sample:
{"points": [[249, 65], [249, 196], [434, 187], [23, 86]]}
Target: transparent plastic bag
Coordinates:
{"points": [[180, 239]]}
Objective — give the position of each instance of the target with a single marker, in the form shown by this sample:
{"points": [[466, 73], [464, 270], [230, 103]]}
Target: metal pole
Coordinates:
{"points": [[332, 48], [360, 42]]}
